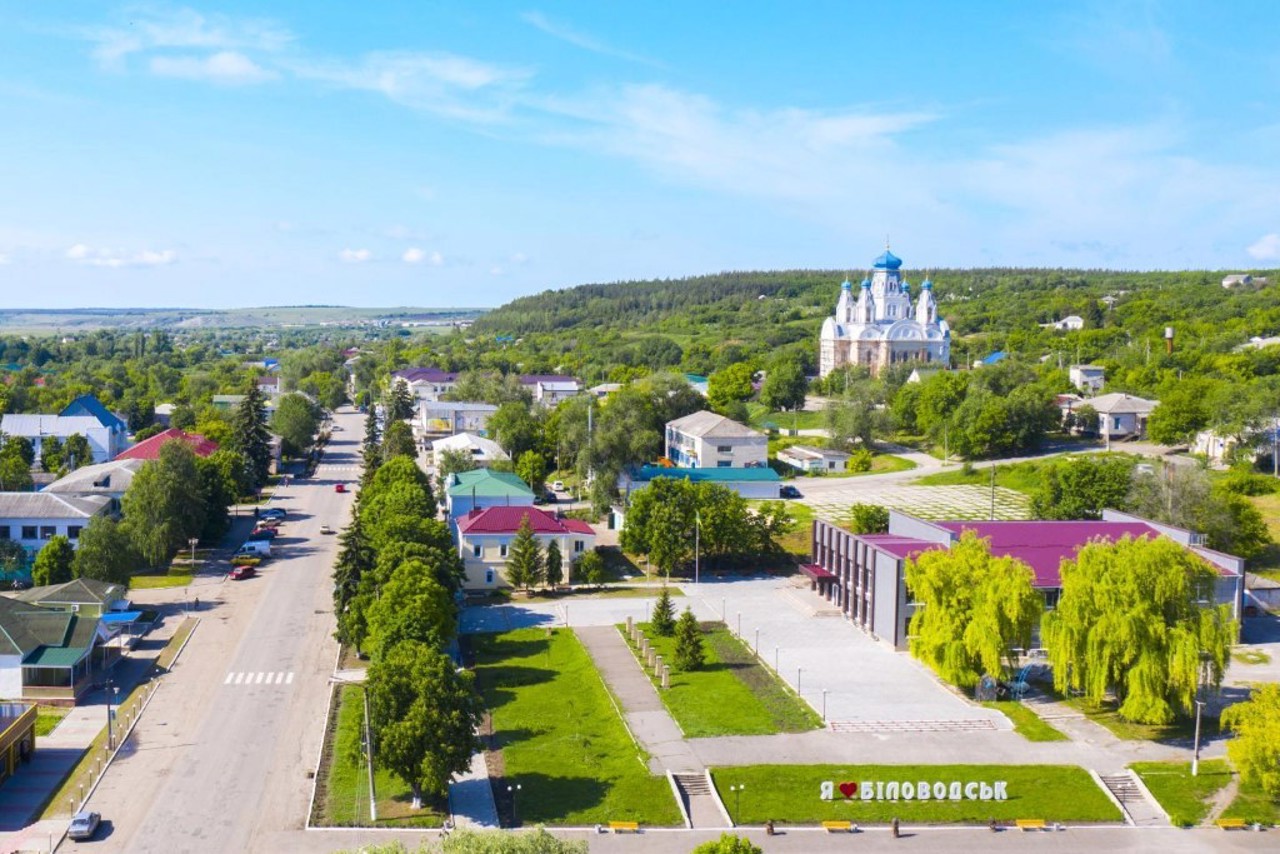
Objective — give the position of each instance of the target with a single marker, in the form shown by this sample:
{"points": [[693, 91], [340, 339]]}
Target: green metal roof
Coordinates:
{"points": [[484, 483], [55, 656], [755, 474]]}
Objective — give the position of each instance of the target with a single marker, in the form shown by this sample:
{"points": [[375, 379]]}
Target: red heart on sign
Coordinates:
{"points": [[848, 789]]}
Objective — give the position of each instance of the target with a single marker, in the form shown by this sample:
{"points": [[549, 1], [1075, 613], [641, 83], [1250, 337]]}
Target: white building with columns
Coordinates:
{"points": [[881, 326]]}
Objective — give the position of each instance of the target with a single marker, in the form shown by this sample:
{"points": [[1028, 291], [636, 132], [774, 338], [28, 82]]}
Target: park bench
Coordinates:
{"points": [[624, 826], [1030, 824], [1230, 823], [838, 826]]}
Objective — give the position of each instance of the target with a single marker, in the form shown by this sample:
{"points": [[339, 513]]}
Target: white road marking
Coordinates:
{"points": [[289, 679], [230, 676], [239, 678], [264, 677]]}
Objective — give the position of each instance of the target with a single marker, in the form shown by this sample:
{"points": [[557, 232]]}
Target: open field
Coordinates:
{"points": [[732, 694], [559, 735], [33, 320], [1185, 798], [345, 777], [789, 794]]}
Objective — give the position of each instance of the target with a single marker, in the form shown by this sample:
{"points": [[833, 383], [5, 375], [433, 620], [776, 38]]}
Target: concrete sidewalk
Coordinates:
{"points": [[471, 797], [642, 708]]}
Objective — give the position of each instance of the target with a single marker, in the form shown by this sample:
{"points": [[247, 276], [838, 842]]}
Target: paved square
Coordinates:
{"points": [[926, 502]]}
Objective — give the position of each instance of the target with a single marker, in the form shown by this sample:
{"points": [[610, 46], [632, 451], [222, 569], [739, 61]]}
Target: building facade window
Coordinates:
{"points": [[502, 550], [477, 550], [48, 532], [73, 532], [724, 464], [488, 576], [28, 532], [724, 449], [579, 546], [4, 532]]}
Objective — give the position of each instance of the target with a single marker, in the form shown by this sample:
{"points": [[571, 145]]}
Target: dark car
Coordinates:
{"points": [[83, 825], [789, 492], [263, 534], [242, 572]]}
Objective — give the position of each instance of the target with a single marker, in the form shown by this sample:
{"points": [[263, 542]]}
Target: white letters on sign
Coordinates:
{"points": [[908, 790]]}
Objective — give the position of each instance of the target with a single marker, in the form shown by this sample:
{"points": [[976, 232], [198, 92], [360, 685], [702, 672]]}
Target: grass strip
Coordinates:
{"points": [[1026, 722], [48, 718], [345, 777], [561, 740], [1185, 798], [1107, 716], [789, 794], [732, 694], [1253, 805]]}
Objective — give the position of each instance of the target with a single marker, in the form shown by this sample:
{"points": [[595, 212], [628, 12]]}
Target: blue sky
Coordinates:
{"points": [[461, 153]]}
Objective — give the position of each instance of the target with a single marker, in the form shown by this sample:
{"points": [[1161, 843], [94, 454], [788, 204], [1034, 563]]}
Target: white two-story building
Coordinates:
{"points": [[707, 440]]}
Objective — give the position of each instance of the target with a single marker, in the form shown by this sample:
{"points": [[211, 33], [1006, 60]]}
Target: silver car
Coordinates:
{"points": [[83, 825]]}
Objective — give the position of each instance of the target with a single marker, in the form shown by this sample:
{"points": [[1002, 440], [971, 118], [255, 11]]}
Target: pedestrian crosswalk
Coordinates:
{"points": [[261, 677], [325, 468]]}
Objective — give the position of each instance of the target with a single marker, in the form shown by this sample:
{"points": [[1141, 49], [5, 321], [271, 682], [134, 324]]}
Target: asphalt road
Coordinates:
{"points": [[219, 761]]}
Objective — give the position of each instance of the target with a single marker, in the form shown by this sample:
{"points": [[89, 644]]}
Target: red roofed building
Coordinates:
{"points": [[863, 574], [485, 536], [149, 449]]}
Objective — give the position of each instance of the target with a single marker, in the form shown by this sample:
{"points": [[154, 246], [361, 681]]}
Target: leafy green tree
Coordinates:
{"points": [[854, 417], [515, 428], [553, 564], [730, 387], [1255, 750], [590, 568], [537, 841], [404, 512], [1183, 412], [784, 385], [401, 470], [218, 489], [76, 452], [15, 472], [452, 461], [524, 557], [353, 622], [1082, 487], [104, 552], [147, 432], [182, 417], [532, 469], [975, 609], [1186, 497], [728, 843], [50, 453], [1131, 620], [22, 447], [397, 441], [689, 652], [412, 606], [164, 505], [295, 421], [868, 519], [424, 714], [249, 434], [663, 619], [940, 397], [660, 523], [13, 556], [53, 563]]}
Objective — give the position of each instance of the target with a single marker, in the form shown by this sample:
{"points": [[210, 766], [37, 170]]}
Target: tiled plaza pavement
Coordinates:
{"points": [[925, 502]]}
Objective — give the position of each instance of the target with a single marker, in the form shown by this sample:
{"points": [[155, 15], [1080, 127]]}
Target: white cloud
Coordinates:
{"points": [[87, 255], [150, 30], [442, 83], [355, 256], [565, 33], [414, 255], [1266, 248], [519, 258], [4, 259], [222, 67], [495, 271]]}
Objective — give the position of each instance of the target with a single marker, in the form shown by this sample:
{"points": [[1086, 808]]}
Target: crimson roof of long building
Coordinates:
{"points": [[506, 520]]}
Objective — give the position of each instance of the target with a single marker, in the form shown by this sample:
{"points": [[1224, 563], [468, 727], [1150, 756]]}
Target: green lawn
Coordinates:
{"points": [[784, 421], [1251, 656], [1020, 477], [560, 736], [789, 794], [732, 694], [1185, 798], [1252, 805], [1107, 716], [1026, 722], [345, 776], [179, 575], [797, 542], [47, 718]]}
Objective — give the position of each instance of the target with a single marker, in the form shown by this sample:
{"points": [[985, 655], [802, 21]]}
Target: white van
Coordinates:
{"points": [[256, 547]]}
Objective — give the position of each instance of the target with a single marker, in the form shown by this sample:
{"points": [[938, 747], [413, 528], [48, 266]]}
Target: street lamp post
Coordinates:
{"points": [[739, 624], [757, 641], [824, 705], [515, 816], [737, 799], [192, 542], [697, 548], [110, 730], [775, 658], [1195, 756], [799, 671]]}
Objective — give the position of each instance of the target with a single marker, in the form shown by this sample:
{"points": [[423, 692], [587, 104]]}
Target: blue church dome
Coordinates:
{"points": [[847, 285], [888, 261], [927, 285], [866, 284]]}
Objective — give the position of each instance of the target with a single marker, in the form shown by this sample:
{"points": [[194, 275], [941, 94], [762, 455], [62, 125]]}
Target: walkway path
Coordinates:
{"points": [[471, 797], [642, 708]]}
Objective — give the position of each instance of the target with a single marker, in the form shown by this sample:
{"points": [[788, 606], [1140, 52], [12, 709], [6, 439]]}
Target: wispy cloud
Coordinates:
{"points": [[355, 256], [1266, 248], [99, 257], [565, 33], [146, 29], [225, 66], [4, 259], [414, 255]]}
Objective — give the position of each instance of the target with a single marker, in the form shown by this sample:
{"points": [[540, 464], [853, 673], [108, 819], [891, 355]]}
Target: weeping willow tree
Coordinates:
{"points": [[1136, 617], [974, 609]]}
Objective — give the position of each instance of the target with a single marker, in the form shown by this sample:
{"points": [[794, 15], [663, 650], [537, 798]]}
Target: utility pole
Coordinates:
{"points": [[993, 492]]}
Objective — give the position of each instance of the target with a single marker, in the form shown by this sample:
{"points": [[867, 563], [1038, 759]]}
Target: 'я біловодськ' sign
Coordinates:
{"points": [[907, 790]]}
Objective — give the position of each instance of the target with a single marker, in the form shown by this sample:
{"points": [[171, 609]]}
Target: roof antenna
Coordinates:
{"points": [[886, 242]]}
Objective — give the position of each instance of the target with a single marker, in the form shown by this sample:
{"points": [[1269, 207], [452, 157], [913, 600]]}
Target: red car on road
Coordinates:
{"points": [[339, 487], [242, 572]]}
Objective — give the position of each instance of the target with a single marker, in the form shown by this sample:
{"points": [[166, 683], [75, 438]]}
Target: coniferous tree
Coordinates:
{"points": [[355, 558], [664, 614], [524, 558], [249, 434], [553, 564], [689, 652], [399, 402]]}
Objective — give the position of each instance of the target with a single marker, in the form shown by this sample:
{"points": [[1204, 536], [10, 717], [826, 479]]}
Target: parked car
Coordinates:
{"points": [[557, 485], [272, 513], [339, 487], [325, 529], [242, 572], [83, 825], [789, 492], [260, 534], [246, 559], [256, 547]]}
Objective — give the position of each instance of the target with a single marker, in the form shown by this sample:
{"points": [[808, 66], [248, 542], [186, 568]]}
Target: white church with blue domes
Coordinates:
{"points": [[880, 326]]}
